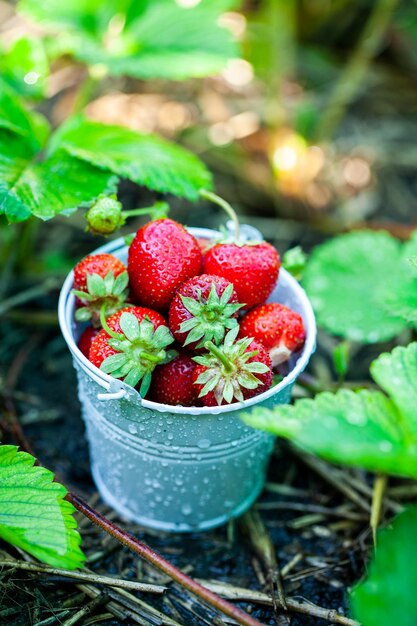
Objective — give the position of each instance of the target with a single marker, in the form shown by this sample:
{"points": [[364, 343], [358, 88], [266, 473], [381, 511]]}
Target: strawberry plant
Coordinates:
{"points": [[25, 57], [44, 173], [392, 577], [147, 39], [33, 512], [370, 429], [363, 285]]}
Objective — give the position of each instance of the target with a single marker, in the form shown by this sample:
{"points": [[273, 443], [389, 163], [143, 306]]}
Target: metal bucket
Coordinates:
{"points": [[169, 467]]}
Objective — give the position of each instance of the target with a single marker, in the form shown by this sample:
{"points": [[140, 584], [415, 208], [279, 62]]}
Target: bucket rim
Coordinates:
{"points": [[66, 322]]}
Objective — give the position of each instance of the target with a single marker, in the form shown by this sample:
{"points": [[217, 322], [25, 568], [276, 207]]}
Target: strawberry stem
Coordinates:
{"points": [[214, 350], [208, 195], [106, 327], [156, 211], [150, 357]]}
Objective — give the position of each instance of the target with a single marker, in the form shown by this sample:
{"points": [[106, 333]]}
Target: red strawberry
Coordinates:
{"points": [[131, 344], [99, 279], [202, 309], [280, 329], [100, 264], [252, 268], [161, 257], [84, 342], [233, 372], [172, 383]]}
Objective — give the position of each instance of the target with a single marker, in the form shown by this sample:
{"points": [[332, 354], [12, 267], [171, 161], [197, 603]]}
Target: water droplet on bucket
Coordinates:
{"points": [[204, 443], [132, 428], [186, 509]]}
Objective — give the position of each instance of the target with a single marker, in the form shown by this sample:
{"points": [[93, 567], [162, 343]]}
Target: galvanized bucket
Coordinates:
{"points": [[169, 467]]}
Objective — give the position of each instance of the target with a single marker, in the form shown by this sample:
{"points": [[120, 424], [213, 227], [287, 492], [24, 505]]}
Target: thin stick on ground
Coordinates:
{"points": [[260, 540], [86, 610], [240, 594], [116, 609], [84, 576]]}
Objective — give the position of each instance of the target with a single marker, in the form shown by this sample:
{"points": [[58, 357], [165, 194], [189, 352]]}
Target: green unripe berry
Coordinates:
{"points": [[105, 216]]}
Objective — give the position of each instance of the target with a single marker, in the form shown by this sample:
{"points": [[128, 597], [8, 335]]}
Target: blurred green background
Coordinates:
{"points": [[315, 123]]}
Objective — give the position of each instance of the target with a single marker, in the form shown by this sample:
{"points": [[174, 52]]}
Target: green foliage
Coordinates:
{"points": [[396, 374], [402, 300], [341, 358], [146, 39], [15, 118], [348, 279], [44, 175], [388, 595], [363, 428], [294, 261], [33, 513], [25, 67], [144, 159], [59, 184]]}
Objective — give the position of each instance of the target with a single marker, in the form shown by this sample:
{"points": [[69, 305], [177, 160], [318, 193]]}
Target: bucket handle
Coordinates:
{"points": [[116, 390], [116, 395]]}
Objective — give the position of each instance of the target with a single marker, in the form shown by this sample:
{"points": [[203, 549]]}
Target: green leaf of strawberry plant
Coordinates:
{"points": [[402, 300], [147, 39], [354, 428], [363, 428], [81, 161], [33, 513], [25, 67], [16, 118], [396, 374], [346, 278], [145, 159], [59, 184], [392, 577], [30, 185]]}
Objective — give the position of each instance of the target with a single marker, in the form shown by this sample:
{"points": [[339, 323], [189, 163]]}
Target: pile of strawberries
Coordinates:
{"points": [[186, 322]]}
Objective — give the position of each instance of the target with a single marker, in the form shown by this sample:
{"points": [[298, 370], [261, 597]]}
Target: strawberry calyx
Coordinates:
{"points": [[210, 316], [228, 368], [109, 290], [139, 349]]}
